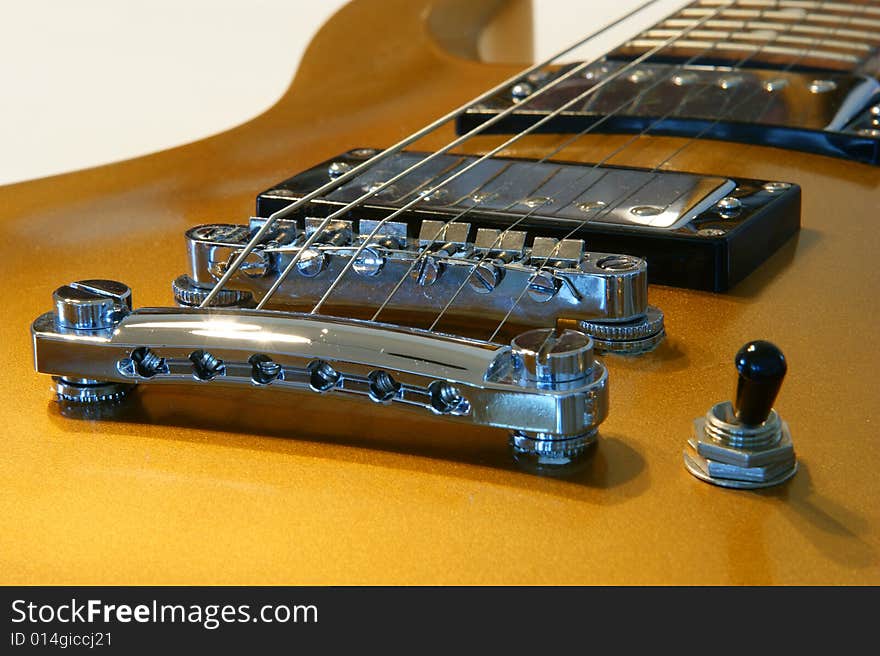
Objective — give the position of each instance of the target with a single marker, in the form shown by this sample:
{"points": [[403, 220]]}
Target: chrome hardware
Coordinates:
{"points": [[560, 393], [788, 108], [521, 91], [729, 206], [822, 86], [85, 310], [484, 276], [188, 293], [337, 169], [91, 304], [634, 337], [506, 205], [745, 444]]}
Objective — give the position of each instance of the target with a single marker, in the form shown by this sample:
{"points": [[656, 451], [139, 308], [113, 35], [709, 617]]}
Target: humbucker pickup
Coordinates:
{"points": [[697, 231], [831, 112]]}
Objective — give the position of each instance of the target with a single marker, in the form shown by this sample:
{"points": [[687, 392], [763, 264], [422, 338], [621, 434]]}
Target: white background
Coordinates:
{"points": [[87, 82]]}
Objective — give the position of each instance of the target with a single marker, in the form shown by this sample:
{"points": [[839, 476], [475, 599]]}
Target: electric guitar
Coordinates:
{"points": [[433, 319]]}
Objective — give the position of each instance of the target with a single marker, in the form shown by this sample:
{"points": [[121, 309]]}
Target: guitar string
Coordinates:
{"points": [[564, 142], [399, 146], [578, 99], [675, 153], [689, 96], [313, 237], [803, 54]]}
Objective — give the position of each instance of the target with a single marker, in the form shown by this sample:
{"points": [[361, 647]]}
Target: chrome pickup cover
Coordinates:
{"points": [[831, 113], [704, 232]]}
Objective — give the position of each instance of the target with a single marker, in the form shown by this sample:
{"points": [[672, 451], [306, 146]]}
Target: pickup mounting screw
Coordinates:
{"points": [[205, 365], [323, 376], [729, 206], [521, 91], [337, 169], [775, 187], [263, 369]]}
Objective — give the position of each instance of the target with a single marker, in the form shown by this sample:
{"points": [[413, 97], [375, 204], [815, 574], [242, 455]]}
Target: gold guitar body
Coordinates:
{"points": [[207, 486]]}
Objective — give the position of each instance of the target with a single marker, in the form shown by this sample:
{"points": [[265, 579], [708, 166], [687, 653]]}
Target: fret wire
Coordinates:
{"points": [[813, 17], [746, 46], [718, 34], [399, 146], [798, 4], [629, 195], [761, 25], [578, 99]]}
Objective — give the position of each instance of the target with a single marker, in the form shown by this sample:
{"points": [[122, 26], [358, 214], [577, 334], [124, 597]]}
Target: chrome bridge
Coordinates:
{"points": [[438, 280], [545, 387], [827, 112]]}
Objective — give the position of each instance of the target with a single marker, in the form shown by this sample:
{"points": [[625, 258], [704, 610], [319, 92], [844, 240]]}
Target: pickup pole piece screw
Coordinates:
{"points": [[684, 79], [822, 86], [646, 210]]}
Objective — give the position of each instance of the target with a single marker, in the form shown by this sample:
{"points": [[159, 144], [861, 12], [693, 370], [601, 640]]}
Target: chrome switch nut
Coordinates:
{"points": [[745, 444]]}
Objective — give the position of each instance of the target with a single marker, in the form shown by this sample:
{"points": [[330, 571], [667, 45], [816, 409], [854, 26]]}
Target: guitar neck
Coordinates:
{"points": [[804, 35]]}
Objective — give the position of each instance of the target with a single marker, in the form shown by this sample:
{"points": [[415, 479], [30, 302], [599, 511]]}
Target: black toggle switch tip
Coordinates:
{"points": [[761, 366]]}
